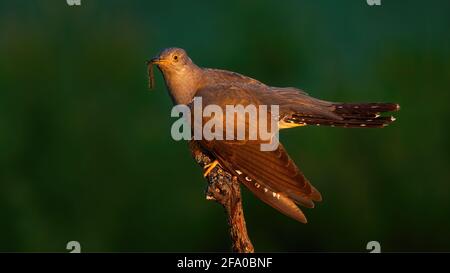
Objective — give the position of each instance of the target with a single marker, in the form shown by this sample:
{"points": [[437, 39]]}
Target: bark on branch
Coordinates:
{"points": [[224, 188]]}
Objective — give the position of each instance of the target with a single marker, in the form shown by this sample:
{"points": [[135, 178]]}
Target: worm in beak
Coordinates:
{"points": [[151, 77]]}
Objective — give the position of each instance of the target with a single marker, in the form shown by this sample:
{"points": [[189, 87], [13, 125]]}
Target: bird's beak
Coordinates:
{"points": [[156, 61]]}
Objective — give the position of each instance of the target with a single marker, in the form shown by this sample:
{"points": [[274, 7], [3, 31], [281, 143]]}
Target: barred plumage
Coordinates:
{"points": [[351, 115]]}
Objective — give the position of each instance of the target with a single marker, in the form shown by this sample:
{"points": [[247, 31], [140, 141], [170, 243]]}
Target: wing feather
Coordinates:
{"points": [[271, 170]]}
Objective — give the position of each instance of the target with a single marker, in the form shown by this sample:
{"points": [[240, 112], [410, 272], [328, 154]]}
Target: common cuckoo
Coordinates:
{"points": [[271, 175]]}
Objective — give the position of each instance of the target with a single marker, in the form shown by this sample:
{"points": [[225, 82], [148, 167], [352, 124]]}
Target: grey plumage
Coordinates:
{"points": [[271, 176]]}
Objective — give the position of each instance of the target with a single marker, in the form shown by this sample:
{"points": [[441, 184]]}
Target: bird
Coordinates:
{"points": [[270, 175]]}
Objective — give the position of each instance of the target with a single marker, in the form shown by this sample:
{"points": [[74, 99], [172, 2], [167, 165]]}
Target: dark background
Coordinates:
{"points": [[86, 152]]}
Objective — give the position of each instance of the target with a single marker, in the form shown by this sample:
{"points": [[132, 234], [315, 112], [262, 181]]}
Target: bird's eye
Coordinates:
{"points": [[175, 58]]}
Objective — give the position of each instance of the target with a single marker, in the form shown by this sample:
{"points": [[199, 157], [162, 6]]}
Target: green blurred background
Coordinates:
{"points": [[86, 152]]}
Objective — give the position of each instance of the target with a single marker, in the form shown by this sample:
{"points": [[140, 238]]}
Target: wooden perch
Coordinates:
{"points": [[224, 188]]}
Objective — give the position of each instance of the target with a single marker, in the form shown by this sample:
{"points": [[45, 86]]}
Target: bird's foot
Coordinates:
{"points": [[209, 167]]}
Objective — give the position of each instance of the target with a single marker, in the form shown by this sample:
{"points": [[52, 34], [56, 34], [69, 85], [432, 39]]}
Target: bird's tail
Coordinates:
{"points": [[351, 115]]}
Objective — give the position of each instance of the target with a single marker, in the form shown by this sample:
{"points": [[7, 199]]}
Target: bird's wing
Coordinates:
{"points": [[270, 175], [290, 101]]}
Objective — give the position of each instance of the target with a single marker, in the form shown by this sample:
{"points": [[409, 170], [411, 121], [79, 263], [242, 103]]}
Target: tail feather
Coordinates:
{"points": [[352, 115], [364, 108]]}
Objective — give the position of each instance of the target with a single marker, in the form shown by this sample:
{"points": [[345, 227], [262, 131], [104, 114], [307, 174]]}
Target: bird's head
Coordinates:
{"points": [[181, 75], [171, 61]]}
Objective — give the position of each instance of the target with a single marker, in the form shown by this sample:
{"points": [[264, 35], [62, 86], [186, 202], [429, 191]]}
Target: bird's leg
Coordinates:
{"points": [[209, 167]]}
